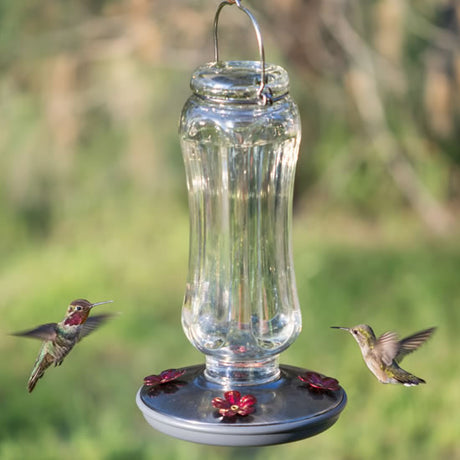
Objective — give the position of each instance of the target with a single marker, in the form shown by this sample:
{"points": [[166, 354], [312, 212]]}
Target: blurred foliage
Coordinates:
{"points": [[92, 84], [93, 204]]}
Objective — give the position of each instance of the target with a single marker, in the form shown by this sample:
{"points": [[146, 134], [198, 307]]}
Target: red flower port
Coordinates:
{"points": [[319, 382], [234, 404], [164, 377]]}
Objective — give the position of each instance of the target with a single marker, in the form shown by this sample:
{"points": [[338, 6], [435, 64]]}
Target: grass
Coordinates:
{"points": [[86, 408]]}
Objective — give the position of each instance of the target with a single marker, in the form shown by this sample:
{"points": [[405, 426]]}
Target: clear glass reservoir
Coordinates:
{"points": [[240, 151]]}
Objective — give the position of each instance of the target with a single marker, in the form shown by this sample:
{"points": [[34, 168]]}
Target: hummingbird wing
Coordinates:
{"points": [[92, 323], [387, 347], [411, 343], [44, 332]]}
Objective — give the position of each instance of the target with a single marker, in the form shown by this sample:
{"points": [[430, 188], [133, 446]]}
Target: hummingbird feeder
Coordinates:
{"points": [[240, 136]]}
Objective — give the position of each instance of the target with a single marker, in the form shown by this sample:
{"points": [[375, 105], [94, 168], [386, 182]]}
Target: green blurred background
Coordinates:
{"points": [[93, 204]]}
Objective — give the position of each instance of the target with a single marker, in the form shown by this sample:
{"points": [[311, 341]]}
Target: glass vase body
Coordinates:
{"points": [[240, 306]]}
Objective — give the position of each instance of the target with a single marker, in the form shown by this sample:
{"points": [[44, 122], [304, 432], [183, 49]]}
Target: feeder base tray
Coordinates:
{"points": [[286, 410]]}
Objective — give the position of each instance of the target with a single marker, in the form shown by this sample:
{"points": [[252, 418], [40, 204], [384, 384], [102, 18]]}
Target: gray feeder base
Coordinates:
{"points": [[286, 410]]}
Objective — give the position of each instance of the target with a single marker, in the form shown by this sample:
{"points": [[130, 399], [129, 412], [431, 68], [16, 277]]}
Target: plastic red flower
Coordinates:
{"points": [[165, 377], [234, 404], [319, 382]]}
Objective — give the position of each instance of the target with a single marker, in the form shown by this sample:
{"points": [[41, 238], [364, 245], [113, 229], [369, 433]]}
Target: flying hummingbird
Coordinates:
{"points": [[60, 338], [383, 355]]}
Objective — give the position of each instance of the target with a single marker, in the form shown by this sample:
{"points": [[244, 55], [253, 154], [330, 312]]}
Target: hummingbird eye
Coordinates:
{"points": [[78, 308]]}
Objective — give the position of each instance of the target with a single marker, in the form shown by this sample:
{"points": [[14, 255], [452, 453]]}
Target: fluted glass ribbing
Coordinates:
{"points": [[240, 307]]}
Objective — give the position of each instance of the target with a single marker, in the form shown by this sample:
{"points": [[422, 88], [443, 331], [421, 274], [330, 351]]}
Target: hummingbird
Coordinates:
{"points": [[382, 355], [60, 338]]}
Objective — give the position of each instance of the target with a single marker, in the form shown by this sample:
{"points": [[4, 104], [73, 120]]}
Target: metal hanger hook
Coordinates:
{"points": [[265, 97]]}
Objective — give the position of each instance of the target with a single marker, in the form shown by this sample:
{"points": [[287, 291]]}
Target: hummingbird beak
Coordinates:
{"points": [[340, 327], [100, 303]]}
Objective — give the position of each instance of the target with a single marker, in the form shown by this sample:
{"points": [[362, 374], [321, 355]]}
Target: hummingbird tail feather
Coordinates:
{"points": [[409, 380], [37, 373], [32, 382], [34, 379]]}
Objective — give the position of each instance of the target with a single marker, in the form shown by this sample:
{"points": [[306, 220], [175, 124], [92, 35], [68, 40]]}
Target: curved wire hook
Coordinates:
{"points": [[265, 98]]}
